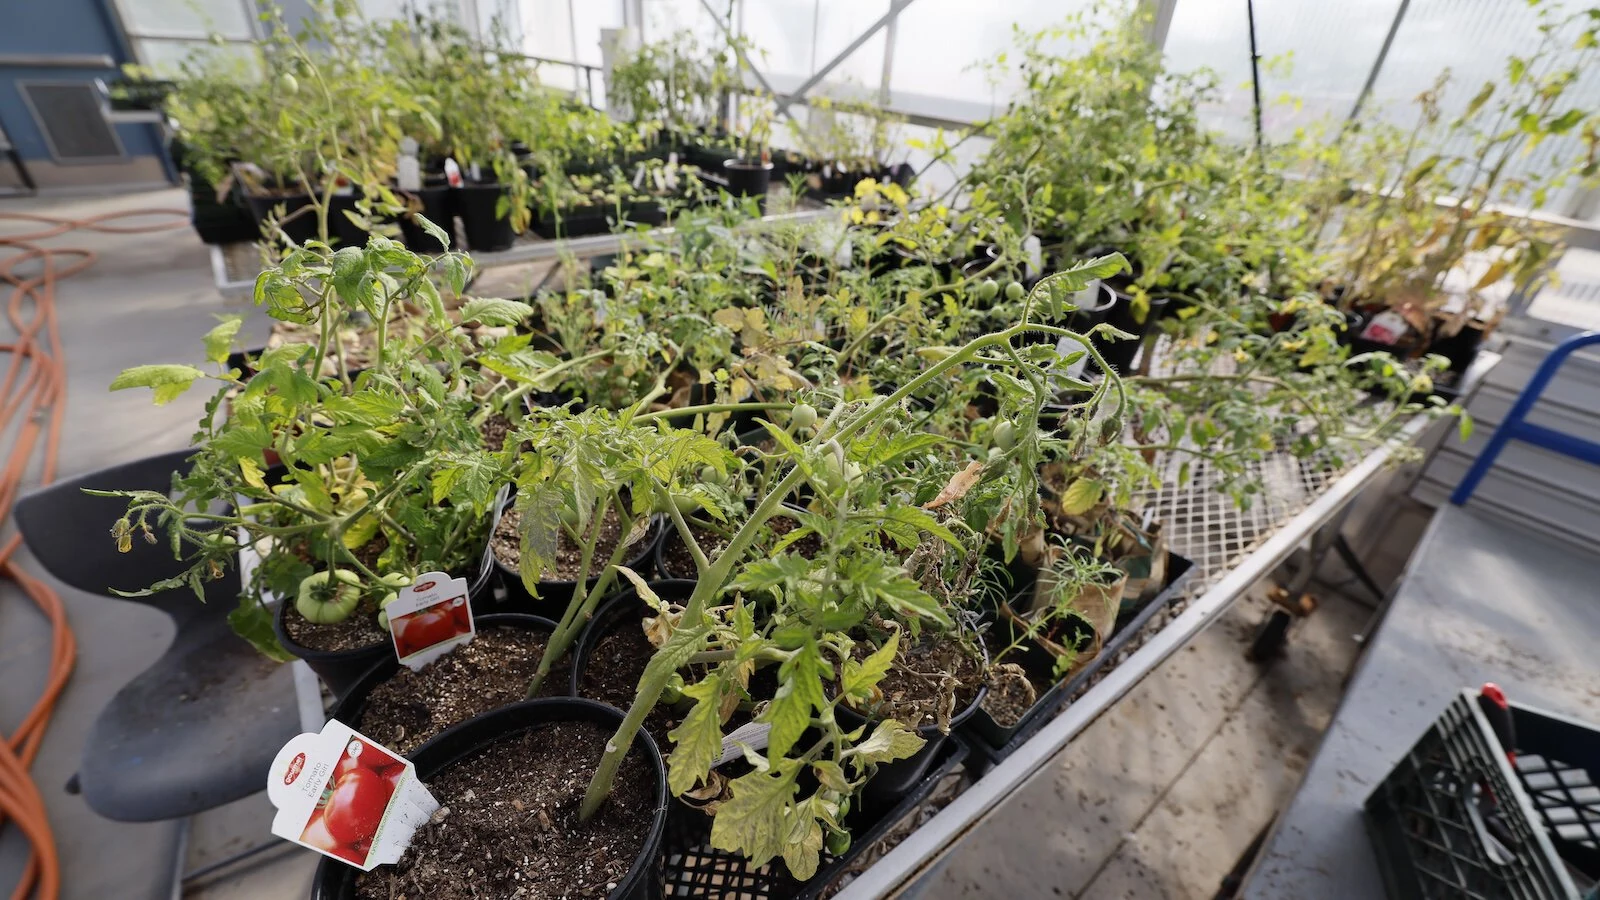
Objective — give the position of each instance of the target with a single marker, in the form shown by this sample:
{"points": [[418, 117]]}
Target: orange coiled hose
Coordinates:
{"points": [[34, 389]]}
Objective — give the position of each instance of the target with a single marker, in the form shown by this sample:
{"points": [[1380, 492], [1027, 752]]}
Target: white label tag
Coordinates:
{"points": [[1387, 327], [638, 175], [1065, 346], [407, 172], [754, 735], [1033, 248], [429, 619], [347, 797], [452, 172]]}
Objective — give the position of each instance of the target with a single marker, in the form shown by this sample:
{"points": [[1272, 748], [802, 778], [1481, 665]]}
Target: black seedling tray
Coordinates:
{"points": [[982, 735], [692, 868]]}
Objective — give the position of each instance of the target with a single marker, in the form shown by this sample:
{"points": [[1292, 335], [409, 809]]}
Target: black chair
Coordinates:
{"points": [[200, 727]]}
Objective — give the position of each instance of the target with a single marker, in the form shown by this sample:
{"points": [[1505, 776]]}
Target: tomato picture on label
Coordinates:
{"points": [[424, 628], [354, 809], [360, 754], [461, 612], [317, 836]]}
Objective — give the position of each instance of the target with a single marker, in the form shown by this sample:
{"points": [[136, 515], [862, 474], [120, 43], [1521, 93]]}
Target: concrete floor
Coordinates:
{"points": [[1158, 798], [147, 299]]}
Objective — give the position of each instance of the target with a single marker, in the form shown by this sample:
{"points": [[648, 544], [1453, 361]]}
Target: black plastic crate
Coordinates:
{"points": [[692, 868], [1457, 819], [986, 751]]}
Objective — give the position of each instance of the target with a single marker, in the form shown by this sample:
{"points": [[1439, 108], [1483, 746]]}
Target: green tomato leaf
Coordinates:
{"points": [[495, 312], [167, 381], [697, 741], [469, 480], [432, 230], [753, 821], [802, 851], [890, 741], [799, 692], [219, 340], [252, 621], [859, 678]]}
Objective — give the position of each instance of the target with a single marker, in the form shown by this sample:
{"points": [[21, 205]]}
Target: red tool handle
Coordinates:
{"points": [[1493, 702]]}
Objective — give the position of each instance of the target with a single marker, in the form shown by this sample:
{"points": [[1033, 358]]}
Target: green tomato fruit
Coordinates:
{"points": [[1015, 291], [1005, 435], [683, 503], [673, 691], [328, 597], [988, 289], [838, 841], [395, 580], [803, 416], [288, 84], [568, 516], [1111, 430], [710, 475]]}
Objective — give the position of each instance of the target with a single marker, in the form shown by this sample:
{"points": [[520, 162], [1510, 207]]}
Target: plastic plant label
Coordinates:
{"points": [[1387, 327], [1066, 346], [1033, 250], [430, 618], [346, 797], [452, 172], [755, 735], [408, 173]]}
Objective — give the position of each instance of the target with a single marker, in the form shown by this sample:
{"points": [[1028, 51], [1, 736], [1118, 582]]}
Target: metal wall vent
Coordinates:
{"points": [[72, 119]]}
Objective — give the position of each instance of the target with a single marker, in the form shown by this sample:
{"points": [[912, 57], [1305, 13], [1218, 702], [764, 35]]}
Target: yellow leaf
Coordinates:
{"points": [[251, 473], [1495, 273], [357, 535], [1081, 496], [729, 318]]}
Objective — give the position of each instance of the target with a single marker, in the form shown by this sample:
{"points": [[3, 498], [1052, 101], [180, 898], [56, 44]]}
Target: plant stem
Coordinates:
{"points": [[580, 608], [684, 411]]}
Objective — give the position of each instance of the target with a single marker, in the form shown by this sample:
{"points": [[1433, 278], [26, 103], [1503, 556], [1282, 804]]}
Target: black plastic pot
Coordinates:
{"points": [[995, 742], [670, 536], [1097, 309], [1122, 354], [353, 702], [579, 221], [620, 611], [484, 228], [576, 221], [1460, 348], [554, 595], [894, 780], [225, 221], [300, 228], [438, 207], [748, 179], [341, 669], [336, 880]]}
